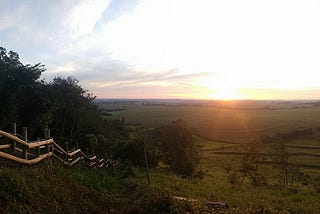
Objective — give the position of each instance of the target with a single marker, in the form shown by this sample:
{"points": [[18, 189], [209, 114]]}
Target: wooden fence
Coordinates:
{"points": [[18, 149]]}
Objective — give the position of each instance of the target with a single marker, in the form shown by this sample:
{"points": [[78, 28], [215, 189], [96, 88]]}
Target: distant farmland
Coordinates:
{"points": [[225, 124], [221, 133]]}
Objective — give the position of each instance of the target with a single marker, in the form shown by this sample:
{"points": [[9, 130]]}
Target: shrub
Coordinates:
{"points": [[234, 178], [133, 152], [157, 201], [178, 148]]}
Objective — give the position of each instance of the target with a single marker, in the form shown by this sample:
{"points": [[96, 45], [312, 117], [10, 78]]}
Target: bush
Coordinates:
{"points": [[234, 178], [35, 190], [133, 152], [153, 202], [228, 168], [10, 189], [317, 188], [178, 148], [157, 201]]}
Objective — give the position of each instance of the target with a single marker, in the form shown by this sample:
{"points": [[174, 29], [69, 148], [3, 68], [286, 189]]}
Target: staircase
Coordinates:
{"points": [[20, 151]]}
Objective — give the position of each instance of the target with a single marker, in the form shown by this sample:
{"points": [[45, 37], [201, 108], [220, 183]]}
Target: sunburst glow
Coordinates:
{"points": [[228, 95], [173, 48]]}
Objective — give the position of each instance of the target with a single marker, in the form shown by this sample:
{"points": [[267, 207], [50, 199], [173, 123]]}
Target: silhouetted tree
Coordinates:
{"points": [[250, 163], [19, 87], [62, 104], [279, 156], [178, 148]]}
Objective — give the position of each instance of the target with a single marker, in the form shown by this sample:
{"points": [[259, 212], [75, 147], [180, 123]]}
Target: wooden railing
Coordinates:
{"points": [[29, 153]]}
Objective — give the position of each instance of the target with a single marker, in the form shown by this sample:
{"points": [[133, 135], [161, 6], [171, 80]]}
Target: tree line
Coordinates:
{"points": [[74, 120], [61, 104]]}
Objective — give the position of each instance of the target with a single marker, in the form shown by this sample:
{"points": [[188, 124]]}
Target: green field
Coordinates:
{"points": [[226, 129], [304, 189], [221, 134], [235, 125]]}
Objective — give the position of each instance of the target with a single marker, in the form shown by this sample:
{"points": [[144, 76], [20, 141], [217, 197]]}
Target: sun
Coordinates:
{"points": [[228, 95]]}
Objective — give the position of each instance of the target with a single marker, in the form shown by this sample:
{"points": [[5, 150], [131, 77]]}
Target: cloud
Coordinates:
{"points": [[84, 16], [275, 93], [168, 47]]}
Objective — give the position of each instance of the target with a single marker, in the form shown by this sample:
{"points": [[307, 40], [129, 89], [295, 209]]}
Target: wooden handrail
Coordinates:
{"points": [[40, 143], [87, 157], [59, 147], [61, 160], [69, 156], [28, 145], [5, 146], [57, 150], [24, 161], [14, 138], [92, 164], [76, 160], [74, 152], [21, 151], [68, 163]]}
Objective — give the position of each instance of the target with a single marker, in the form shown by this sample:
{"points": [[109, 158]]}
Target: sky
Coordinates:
{"points": [[185, 49]]}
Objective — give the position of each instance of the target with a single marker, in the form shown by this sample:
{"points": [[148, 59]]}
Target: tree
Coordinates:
{"points": [[19, 85], [279, 156], [70, 108], [250, 163], [178, 148], [61, 105]]}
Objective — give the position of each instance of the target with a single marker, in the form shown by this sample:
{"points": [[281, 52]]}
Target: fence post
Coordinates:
{"points": [[49, 136], [146, 161], [39, 150], [48, 148], [46, 136], [25, 138], [52, 147], [14, 128], [45, 133], [15, 134]]}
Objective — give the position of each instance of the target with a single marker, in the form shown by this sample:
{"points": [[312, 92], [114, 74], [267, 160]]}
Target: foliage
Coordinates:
{"points": [[61, 105], [91, 143], [133, 151], [84, 190], [158, 202], [279, 156], [19, 85], [107, 191], [152, 202], [250, 163], [69, 106], [178, 148], [35, 190], [97, 145], [234, 178]]}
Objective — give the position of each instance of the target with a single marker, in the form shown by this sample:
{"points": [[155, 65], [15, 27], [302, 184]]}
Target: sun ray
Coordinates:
{"points": [[228, 94]]}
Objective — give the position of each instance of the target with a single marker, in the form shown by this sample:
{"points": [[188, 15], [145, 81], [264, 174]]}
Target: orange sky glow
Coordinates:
{"points": [[195, 49]]}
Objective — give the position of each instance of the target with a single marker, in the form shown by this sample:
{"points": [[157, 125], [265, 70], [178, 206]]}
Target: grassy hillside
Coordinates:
{"points": [[39, 190], [81, 190], [221, 134]]}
